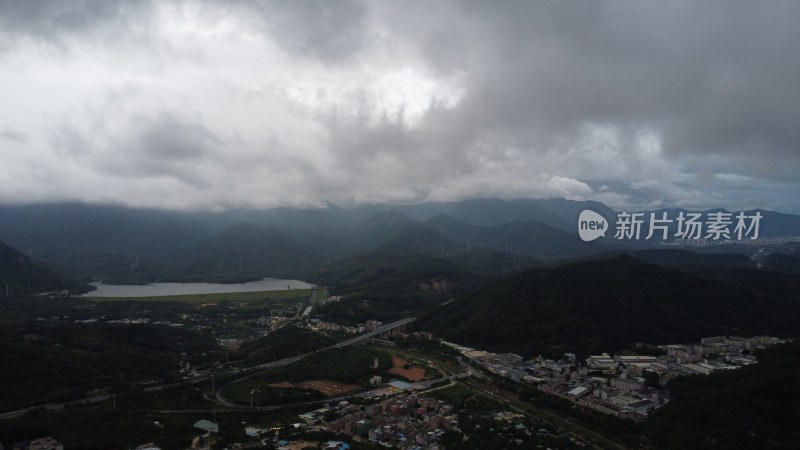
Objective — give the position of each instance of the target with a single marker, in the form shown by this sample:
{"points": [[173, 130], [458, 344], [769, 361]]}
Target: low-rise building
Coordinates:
{"points": [[147, 446], [634, 359], [627, 385], [640, 407], [578, 392], [637, 368], [45, 443], [696, 369], [601, 362], [623, 400]]}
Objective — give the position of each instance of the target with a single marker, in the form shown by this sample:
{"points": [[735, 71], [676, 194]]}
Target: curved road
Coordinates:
{"points": [[285, 362]]}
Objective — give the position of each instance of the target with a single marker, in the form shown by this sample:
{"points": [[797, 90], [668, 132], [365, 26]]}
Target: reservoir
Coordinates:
{"points": [[165, 289]]}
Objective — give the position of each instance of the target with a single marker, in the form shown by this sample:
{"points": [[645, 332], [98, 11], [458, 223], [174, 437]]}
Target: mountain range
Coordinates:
{"points": [[123, 245]]}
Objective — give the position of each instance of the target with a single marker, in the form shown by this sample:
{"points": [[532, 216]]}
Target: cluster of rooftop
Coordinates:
{"points": [[405, 421], [319, 325], [627, 386]]}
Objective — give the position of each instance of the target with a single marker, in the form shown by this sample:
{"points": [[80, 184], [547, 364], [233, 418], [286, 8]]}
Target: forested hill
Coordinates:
{"points": [[385, 272], [755, 407], [611, 304], [384, 286], [20, 274]]}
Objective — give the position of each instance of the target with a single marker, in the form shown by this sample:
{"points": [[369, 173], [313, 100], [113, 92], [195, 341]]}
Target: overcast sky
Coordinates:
{"points": [[219, 104]]}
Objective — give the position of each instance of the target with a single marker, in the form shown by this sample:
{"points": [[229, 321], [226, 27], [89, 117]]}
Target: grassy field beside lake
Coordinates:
{"points": [[195, 299]]}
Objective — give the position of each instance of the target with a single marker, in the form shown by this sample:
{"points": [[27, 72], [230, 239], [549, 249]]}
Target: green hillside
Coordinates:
{"points": [[520, 237], [755, 407], [610, 304], [245, 251], [385, 286], [20, 275]]}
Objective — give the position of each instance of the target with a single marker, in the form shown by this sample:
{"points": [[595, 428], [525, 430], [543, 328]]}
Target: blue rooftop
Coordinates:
{"points": [[402, 385]]}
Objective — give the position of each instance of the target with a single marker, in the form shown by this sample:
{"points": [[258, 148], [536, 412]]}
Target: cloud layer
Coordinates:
{"points": [[211, 105]]}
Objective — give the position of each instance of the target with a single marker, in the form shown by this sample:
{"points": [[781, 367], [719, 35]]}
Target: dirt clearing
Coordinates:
{"points": [[411, 374], [328, 387]]}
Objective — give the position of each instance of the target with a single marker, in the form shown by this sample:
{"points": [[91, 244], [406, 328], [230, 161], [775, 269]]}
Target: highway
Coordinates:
{"points": [[294, 359], [374, 333]]}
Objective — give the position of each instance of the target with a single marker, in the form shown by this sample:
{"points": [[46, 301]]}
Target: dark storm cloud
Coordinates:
{"points": [[161, 145], [164, 145], [717, 83], [69, 141], [52, 20], [709, 77], [330, 31], [645, 103], [13, 135], [168, 137]]}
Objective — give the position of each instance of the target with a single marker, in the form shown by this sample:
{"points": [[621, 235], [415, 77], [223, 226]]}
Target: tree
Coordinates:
{"points": [[651, 379]]}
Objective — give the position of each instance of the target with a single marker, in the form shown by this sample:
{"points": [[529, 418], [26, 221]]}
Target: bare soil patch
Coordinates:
{"points": [[299, 445], [329, 388], [411, 374]]}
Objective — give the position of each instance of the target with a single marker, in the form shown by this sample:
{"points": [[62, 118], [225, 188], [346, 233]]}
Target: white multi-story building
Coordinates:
{"points": [[601, 362]]}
